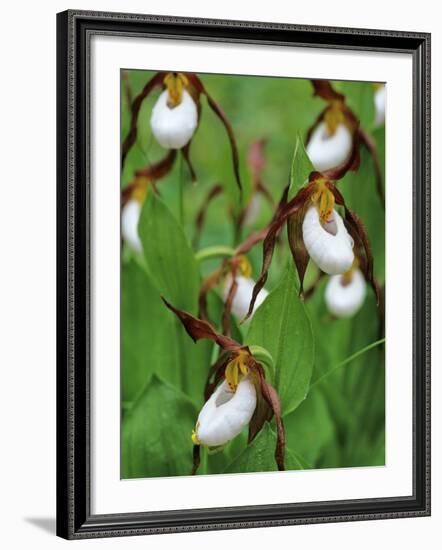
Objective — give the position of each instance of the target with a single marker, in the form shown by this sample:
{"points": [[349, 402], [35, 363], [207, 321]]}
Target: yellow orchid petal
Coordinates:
{"points": [[140, 190], [175, 84], [334, 116], [245, 267], [324, 200]]}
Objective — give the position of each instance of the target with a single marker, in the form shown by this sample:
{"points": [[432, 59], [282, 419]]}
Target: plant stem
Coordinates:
{"points": [[348, 360], [211, 252], [181, 190]]}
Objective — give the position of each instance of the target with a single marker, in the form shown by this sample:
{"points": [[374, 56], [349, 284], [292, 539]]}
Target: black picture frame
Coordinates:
{"points": [[74, 518]]}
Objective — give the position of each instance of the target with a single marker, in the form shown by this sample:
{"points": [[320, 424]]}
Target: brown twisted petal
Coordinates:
{"points": [[271, 396], [324, 90], [263, 412], [160, 169], [186, 156], [297, 247], [351, 164], [282, 214], [200, 89], [370, 144], [359, 234], [155, 82], [153, 172], [198, 329]]}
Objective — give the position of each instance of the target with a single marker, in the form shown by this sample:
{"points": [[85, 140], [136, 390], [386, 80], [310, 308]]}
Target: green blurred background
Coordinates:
{"points": [[340, 423]]}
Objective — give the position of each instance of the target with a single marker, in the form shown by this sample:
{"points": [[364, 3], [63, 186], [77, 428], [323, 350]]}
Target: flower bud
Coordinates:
{"points": [[329, 245], [130, 216], [327, 150], [253, 210], [225, 414], [379, 103], [174, 126], [345, 294], [243, 295]]}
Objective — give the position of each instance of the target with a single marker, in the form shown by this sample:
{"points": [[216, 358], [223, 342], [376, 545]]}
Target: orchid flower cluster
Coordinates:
{"points": [[320, 226]]}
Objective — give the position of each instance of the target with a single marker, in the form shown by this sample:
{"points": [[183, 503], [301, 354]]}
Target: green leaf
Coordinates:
{"points": [[295, 462], [168, 255], [259, 456], [310, 428], [156, 434], [146, 333], [154, 341], [281, 326], [174, 270], [301, 168]]}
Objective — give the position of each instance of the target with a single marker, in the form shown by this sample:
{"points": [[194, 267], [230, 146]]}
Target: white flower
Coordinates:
{"points": [[379, 103], [328, 151], [173, 127], [130, 216], [329, 246], [243, 296], [344, 298], [226, 413]]}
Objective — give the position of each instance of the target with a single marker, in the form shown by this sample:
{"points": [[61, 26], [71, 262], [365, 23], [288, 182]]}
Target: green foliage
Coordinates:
{"points": [[309, 429], [146, 338], [168, 255], [333, 418], [153, 442], [301, 168], [153, 341], [259, 455], [282, 327]]}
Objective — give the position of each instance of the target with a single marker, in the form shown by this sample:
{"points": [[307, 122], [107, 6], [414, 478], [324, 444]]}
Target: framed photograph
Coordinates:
{"points": [[243, 274]]}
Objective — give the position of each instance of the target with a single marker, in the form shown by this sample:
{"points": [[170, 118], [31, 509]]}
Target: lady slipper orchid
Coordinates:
{"points": [[345, 294], [175, 115], [316, 230], [333, 140], [327, 149], [329, 245], [237, 393], [225, 414]]}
